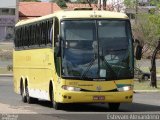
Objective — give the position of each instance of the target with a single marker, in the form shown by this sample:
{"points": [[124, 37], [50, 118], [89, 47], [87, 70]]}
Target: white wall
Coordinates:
{"points": [[8, 4]]}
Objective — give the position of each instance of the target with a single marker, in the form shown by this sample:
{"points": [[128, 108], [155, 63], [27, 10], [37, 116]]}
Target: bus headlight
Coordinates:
{"points": [[69, 88], [125, 88]]}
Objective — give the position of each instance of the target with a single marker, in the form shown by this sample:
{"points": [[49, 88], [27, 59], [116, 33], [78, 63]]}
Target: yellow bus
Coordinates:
{"points": [[80, 56]]}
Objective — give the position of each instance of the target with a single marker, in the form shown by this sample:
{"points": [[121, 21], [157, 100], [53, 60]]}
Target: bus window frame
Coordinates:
{"points": [[110, 19], [37, 35]]}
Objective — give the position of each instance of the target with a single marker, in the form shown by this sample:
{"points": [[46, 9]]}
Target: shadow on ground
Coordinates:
{"points": [[125, 107]]}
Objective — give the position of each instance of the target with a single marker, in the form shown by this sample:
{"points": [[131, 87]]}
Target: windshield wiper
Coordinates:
{"points": [[113, 74], [88, 68]]}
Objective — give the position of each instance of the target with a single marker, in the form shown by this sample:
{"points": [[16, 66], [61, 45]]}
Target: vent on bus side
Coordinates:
{"points": [[85, 8]]}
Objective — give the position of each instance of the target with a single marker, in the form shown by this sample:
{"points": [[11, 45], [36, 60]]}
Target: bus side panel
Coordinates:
{"points": [[35, 66]]}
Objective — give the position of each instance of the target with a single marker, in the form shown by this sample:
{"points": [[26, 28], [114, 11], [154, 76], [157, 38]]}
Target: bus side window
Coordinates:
{"points": [[34, 34], [43, 34], [23, 37], [47, 31], [31, 40], [36, 31], [39, 34], [56, 31], [28, 34], [24, 42], [20, 37], [16, 37], [50, 31]]}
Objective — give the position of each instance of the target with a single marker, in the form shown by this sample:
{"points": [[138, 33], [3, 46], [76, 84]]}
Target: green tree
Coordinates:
{"points": [[29, 0], [61, 3], [155, 3], [57, 0], [86, 1], [147, 29], [130, 3]]}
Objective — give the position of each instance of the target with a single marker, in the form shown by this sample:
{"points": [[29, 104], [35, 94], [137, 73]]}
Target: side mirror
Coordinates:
{"points": [[138, 51]]}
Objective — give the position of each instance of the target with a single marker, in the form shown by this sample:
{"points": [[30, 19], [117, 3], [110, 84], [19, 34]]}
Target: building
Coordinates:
{"points": [[71, 6], [8, 17], [29, 10]]}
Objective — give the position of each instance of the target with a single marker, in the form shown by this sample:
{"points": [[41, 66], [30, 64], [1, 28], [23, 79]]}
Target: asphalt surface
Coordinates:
{"points": [[10, 103]]}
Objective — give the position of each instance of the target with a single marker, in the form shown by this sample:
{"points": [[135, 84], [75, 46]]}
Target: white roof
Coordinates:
{"points": [[78, 14]]}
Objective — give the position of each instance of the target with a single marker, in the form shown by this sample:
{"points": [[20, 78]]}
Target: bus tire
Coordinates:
{"points": [[114, 106], [29, 99], [55, 105], [24, 98]]}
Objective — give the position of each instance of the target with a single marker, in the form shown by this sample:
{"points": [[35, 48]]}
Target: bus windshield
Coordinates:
{"points": [[97, 49]]}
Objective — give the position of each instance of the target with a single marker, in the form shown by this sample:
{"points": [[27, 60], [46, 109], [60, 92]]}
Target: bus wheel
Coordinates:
{"points": [[24, 98], [114, 106], [55, 104], [29, 99]]}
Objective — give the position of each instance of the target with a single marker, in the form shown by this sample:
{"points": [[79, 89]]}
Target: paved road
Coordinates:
{"points": [[10, 103]]}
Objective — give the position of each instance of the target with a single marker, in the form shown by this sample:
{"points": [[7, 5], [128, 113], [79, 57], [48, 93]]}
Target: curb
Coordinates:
{"points": [[6, 75], [146, 91]]}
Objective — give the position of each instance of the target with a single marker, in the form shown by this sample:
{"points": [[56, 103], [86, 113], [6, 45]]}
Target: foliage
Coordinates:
{"points": [[61, 3], [30, 0], [130, 3], [147, 30], [156, 20], [152, 11], [155, 3], [86, 1], [60, 0]]}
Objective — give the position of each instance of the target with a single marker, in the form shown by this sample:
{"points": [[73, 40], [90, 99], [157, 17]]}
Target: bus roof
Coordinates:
{"points": [[81, 14]]}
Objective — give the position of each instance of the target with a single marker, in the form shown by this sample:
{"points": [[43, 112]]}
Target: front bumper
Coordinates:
{"points": [[88, 97]]}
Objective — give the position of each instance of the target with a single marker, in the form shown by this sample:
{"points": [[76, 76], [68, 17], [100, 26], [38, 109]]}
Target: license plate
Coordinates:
{"points": [[98, 97]]}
